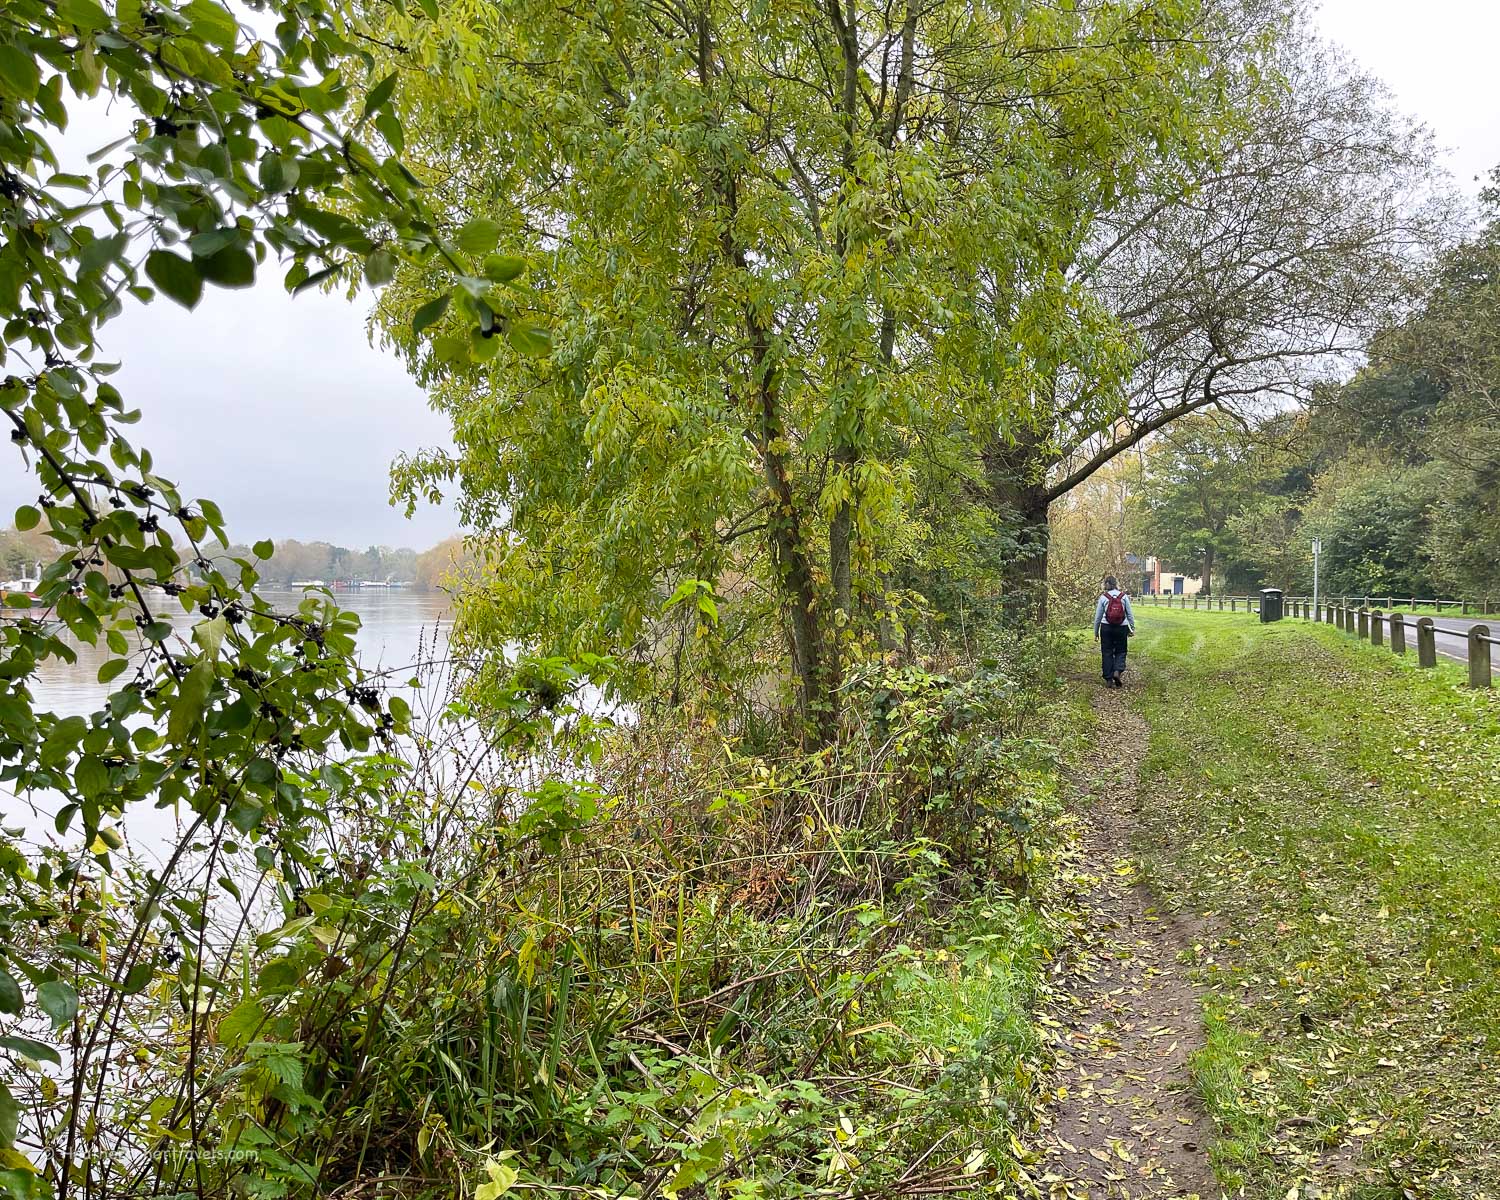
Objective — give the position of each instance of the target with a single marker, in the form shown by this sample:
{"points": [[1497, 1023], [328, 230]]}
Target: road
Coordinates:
{"points": [[1453, 645]]}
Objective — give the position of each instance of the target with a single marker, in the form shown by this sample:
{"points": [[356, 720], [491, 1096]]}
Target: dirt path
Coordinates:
{"points": [[1125, 1121]]}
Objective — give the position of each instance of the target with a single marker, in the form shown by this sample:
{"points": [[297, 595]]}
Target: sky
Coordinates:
{"points": [[281, 411]]}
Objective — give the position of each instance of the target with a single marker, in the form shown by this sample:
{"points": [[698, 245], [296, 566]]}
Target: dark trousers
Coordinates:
{"points": [[1113, 642]]}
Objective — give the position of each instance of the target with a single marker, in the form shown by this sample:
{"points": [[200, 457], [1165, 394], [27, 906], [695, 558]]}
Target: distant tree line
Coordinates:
{"points": [[1397, 470], [293, 560]]}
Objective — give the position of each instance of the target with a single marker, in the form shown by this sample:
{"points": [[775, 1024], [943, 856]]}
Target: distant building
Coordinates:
{"points": [[1159, 582]]}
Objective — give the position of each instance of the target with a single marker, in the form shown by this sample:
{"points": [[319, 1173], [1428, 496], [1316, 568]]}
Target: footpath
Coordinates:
{"points": [[1125, 1120], [1304, 1003]]}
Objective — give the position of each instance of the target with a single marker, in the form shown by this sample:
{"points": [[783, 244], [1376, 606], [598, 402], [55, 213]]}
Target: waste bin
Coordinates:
{"points": [[1272, 604]]}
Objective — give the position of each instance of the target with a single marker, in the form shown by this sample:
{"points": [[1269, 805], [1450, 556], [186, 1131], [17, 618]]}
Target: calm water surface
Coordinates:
{"points": [[396, 628]]}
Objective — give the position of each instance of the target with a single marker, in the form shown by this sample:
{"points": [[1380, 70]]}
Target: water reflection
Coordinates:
{"points": [[397, 627]]}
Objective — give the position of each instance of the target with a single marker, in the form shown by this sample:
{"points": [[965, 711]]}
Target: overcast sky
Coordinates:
{"points": [[281, 411]]}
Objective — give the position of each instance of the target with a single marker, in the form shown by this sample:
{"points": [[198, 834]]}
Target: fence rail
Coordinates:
{"points": [[1377, 626], [1481, 607]]}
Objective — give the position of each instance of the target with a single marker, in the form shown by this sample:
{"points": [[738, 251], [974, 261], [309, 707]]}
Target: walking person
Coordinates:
{"points": [[1114, 625]]}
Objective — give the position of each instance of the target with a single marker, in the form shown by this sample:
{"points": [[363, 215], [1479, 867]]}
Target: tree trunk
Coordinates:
{"points": [[1208, 571], [815, 661], [1016, 477]]}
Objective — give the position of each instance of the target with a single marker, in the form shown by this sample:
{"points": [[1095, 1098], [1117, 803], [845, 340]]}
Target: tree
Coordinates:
{"points": [[242, 151], [1200, 475], [1374, 520], [791, 257], [1242, 282]]}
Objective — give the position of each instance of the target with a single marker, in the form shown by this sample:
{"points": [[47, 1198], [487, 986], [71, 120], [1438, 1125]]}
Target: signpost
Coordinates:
{"points": [[1317, 554]]}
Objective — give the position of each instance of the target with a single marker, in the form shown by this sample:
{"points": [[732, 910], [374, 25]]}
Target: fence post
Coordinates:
{"points": [[1377, 628], [1398, 633], [1221, 601], [1463, 608], [1231, 604], [1426, 643], [1195, 601], [1479, 656], [1364, 624]]}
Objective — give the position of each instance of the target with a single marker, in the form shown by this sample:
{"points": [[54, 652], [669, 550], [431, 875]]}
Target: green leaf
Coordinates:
{"points": [[19, 74], [175, 276], [136, 979], [10, 1118], [85, 14], [101, 251], [212, 23], [245, 814], [379, 96], [11, 1000], [530, 340], [479, 236], [59, 1001], [264, 548], [30, 1048], [192, 700], [241, 1023], [380, 268], [232, 267], [28, 517], [502, 268], [112, 668], [316, 278], [428, 313], [91, 777], [158, 631], [482, 348], [279, 174], [210, 634], [211, 241]]}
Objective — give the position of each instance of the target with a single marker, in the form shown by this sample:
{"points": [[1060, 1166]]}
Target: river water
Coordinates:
{"points": [[397, 626]]}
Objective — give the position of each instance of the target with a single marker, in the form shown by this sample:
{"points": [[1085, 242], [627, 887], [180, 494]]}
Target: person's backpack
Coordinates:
{"points": [[1114, 608]]}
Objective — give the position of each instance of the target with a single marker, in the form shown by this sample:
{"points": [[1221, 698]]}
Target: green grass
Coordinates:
{"points": [[1334, 814]]}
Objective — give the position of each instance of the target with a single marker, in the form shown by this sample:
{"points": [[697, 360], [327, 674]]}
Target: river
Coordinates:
{"points": [[396, 627]]}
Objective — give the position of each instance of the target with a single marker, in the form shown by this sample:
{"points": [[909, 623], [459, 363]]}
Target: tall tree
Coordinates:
{"points": [[1200, 475], [1242, 281], [791, 256]]}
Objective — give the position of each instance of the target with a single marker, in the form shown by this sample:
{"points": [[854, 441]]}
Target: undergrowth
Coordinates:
{"points": [[665, 965]]}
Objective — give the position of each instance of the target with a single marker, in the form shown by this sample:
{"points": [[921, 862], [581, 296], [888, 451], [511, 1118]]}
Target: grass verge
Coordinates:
{"points": [[1332, 812]]}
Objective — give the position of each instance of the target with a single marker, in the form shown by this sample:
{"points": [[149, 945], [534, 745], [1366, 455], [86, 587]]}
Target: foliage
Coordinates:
{"points": [[1249, 278], [20, 552], [1199, 475], [241, 150], [292, 560], [800, 264], [1096, 531], [636, 960], [1375, 530]]}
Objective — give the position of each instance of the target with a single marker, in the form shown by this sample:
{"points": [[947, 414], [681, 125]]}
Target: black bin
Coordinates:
{"points": [[1272, 604]]}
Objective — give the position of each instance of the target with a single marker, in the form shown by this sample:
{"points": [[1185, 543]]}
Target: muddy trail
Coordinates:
{"points": [[1124, 1119]]}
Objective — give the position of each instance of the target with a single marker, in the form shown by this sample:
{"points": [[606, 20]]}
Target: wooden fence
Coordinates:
{"points": [[1374, 625], [1481, 607]]}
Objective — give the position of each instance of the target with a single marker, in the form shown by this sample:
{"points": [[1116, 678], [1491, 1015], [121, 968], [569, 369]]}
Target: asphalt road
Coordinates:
{"points": [[1454, 645]]}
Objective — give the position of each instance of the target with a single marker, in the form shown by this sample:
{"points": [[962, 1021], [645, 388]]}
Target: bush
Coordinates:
{"points": [[628, 960]]}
